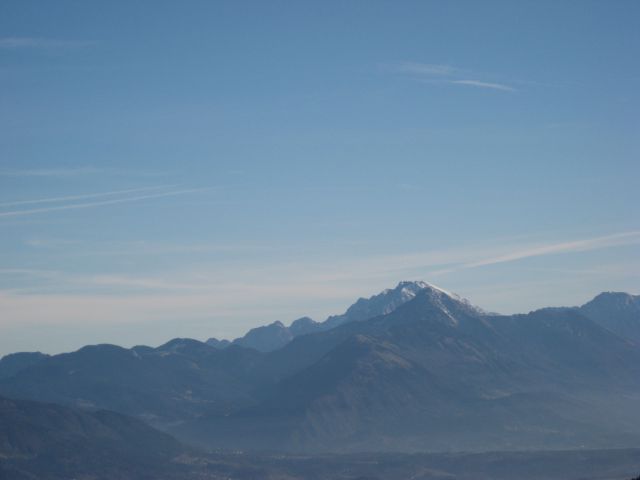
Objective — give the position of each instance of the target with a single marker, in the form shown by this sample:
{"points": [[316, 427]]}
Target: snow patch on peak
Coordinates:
{"points": [[388, 300], [447, 300], [417, 285]]}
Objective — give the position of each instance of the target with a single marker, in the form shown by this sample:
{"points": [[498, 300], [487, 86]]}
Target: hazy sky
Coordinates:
{"points": [[197, 168]]}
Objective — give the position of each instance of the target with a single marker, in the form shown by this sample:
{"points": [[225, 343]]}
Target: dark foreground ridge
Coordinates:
{"points": [[39, 440]]}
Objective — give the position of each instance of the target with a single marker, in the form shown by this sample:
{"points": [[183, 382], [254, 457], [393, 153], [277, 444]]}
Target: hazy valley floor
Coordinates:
{"points": [[551, 465]]}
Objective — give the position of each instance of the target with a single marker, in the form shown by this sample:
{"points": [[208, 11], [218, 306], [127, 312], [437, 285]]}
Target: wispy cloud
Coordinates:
{"points": [[14, 43], [478, 84], [615, 240], [288, 271], [81, 197], [607, 241], [74, 171], [438, 73], [50, 243], [144, 248], [51, 172], [234, 296], [75, 206]]}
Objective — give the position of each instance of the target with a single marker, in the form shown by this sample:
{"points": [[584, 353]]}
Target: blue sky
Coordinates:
{"points": [[196, 168]]}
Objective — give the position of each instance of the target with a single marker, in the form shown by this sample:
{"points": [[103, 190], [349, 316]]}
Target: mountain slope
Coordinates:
{"points": [[45, 441], [305, 350], [430, 372], [274, 336], [178, 380], [617, 311], [437, 373], [383, 303], [266, 338], [13, 363]]}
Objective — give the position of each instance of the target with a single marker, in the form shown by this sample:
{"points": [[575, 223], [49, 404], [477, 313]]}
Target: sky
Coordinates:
{"points": [[196, 169]]}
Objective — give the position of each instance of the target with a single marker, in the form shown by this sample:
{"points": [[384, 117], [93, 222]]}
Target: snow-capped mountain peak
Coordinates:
{"points": [[276, 335]]}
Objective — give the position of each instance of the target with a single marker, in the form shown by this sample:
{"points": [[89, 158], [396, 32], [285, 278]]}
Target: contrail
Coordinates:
{"points": [[585, 245], [81, 197], [75, 206]]}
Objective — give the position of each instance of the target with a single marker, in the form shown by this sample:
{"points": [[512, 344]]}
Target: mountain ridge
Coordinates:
{"points": [[504, 363], [275, 335], [395, 380]]}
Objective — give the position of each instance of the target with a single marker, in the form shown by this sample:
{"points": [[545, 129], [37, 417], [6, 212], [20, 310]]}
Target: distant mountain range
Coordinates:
{"points": [[413, 368]]}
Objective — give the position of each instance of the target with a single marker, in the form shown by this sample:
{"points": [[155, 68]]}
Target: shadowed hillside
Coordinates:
{"points": [[39, 440]]}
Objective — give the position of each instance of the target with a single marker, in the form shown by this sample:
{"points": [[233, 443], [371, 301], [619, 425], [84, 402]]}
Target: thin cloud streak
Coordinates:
{"points": [[434, 73], [236, 297], [143, 248], [76, 206], [14, 43], [376, 269], [615, 240], [608, 241], [76, 171], [81, 197], [479, 84], [50, 172]]}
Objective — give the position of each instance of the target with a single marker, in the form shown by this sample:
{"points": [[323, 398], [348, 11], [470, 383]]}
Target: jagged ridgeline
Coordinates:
{"points": [[413, 368]]}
